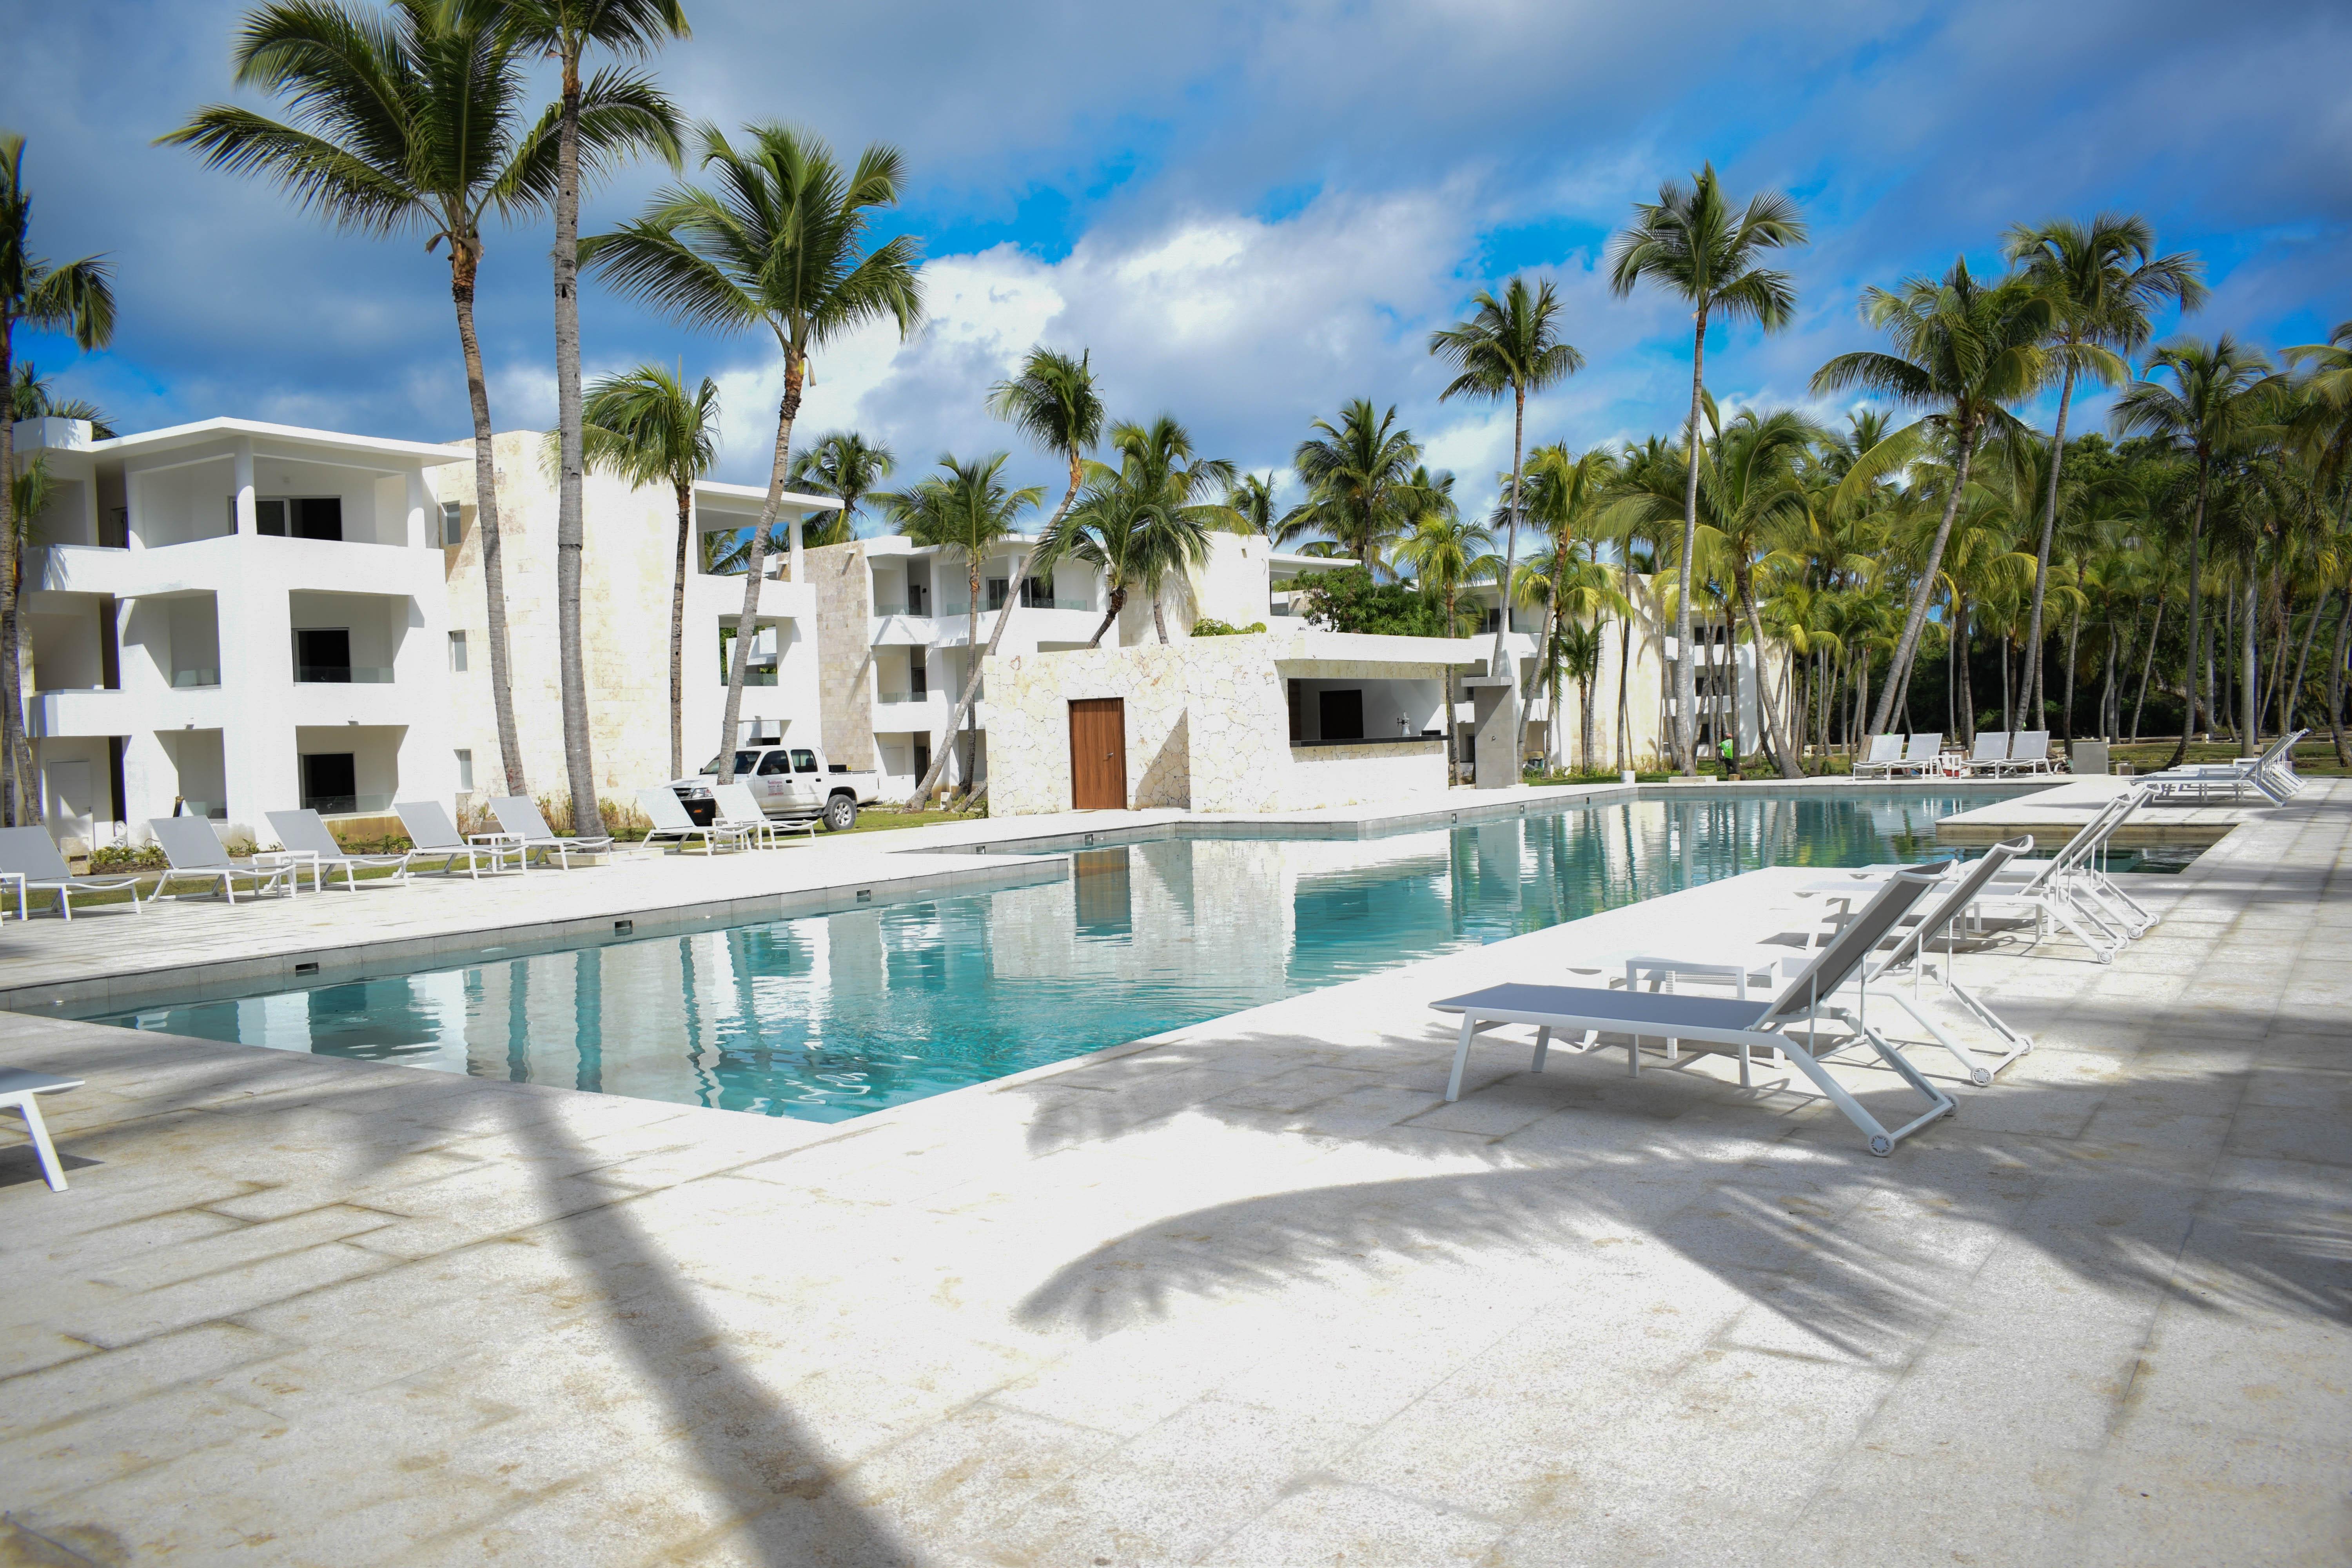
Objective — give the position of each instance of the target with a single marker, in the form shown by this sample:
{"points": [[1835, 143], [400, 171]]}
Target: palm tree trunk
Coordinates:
{"points": [[1501, 664], [2066, 714], [2196, 610], [2008, 694], [1898, 674], [1452, 625], [971, 676], [21, 788], [2147, 668], [1967, 694], [2032, 682], [677, 635], [1117, 603], [2294, 699], [463, 261], [2249, 687], [570, 533], [1004, 618], [2336, 686], [1764, 705], [1544, 652], [747, 625], [1686, 668], [1159, 620]]}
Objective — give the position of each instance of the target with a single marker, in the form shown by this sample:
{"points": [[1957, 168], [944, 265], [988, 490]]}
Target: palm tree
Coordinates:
{"points": [[563, 31], [33, 396], [1566, 502], [1358, 479], [1511, 344], [1690, 242], [2104, 279], [845, 465], [781, 244], [413, 121], [1446, 553], [647, 428], [1252, 499], [76, 297], [1052, 400], [1172, 487], [1963, 351], [2218, 395], [968, 507]]}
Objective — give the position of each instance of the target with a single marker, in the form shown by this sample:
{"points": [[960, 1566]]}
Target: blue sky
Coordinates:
{"points": [[1248, 211]]}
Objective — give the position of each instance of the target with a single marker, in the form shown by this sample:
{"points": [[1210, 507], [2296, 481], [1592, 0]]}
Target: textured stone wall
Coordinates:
{"points": [[1029, 723], [845, 655]]}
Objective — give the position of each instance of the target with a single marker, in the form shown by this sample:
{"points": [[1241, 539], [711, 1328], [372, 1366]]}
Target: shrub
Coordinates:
{"points": [[127, 857], [1210, 626], [625, 821], [1348, 601]]}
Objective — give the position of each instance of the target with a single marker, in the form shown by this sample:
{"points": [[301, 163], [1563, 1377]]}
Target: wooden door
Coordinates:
{"points": [[1098, 753]]}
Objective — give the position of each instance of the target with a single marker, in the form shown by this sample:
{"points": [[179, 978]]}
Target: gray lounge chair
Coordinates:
{"points": [[738, 808], [305, 839], [32, 854], [433, 835], [674, 825], [1885, 750], [195, 854], [1990, 752], [1810, 998], [519, 815], [1922, 756], [2029, 753]]}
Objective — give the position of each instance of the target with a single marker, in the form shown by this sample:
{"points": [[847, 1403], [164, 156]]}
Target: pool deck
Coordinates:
{"points": [[2052, 815], [1251, 1293]]}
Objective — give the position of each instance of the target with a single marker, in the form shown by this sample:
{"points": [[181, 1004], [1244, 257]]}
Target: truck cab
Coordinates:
{"points": [[788, 781]]}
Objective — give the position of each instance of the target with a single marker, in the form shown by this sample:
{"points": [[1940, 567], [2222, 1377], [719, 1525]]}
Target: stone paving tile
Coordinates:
{"points": [[1252, 1294]]}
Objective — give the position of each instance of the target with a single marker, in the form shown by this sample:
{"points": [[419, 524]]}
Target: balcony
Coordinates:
{"points": [[193, 679], [333, 675], [348, 805]]}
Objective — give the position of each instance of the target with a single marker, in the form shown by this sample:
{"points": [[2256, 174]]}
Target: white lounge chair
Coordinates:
{"points": [[1808, 999], [434, 835], [1885, 750], [1988, 753], [1906, 948], [195, 854], [673, 825], [739, 808], [32, 854], [2029, 753], [2271, 774], [1923, 756], [519, 815], [18, 1087], [304, 840]]}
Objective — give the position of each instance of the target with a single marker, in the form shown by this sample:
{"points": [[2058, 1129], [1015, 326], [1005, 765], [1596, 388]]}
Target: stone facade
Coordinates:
{"points": [[1208, 724], [844, 657]]}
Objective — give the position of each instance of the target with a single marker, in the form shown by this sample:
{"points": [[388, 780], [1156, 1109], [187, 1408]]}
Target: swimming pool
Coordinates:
{"points": [[830, 1017]]}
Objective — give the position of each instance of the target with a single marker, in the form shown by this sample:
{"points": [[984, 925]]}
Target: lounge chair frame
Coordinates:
{"points": [[672, 825], [524, 827], [18, 1087], [204, 860], [322, 854], [766, 831], [30, 854]]}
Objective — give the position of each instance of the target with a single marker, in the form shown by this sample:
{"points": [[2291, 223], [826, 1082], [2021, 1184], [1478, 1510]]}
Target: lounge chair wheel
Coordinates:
{"points": [[1981, 1077], [1882, 1145]]}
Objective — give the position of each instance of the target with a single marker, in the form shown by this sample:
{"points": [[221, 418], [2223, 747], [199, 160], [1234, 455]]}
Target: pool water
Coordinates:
{"points": [[830, 1017]]}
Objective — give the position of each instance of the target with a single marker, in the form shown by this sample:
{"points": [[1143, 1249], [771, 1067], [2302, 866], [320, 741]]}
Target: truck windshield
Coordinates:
{"points": [[743, 760]]}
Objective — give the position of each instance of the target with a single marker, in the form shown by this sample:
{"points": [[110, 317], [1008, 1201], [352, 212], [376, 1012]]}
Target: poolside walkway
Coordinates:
{"points": [[1252, 1294]]}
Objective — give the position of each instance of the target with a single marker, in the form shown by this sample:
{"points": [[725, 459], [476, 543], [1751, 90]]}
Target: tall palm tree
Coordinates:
{"points": [[1358, 479], [1691, 243], [2105, 280], [1508, 345], [1566, 504], [1182, 499], [1446, 553], [966, 506], [1052, 400], [1252, 499], [1964, 350], [646, 427], [414, 120], [2218, 395], [563, 31], [782, 243], [74, 297], [845, 465]]}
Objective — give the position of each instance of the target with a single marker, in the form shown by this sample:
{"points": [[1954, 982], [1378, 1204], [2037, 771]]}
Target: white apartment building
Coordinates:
{"points": [[894, 636], [231, 617]]}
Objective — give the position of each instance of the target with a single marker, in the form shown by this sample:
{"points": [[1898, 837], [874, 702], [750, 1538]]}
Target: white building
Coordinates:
{"points": [[229, 617], [894, 636]]}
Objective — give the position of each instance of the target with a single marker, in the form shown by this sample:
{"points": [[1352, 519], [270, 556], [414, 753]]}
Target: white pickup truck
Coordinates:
{"points": [[792, 782]]}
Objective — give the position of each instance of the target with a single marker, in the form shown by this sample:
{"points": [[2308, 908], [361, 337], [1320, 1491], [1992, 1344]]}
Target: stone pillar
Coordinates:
{"points": [[1495, 736]]}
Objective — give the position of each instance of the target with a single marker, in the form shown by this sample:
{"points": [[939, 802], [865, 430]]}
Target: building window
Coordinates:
{"points": [[1037, 593], [465, 769], [331, 782], [457, 652], [918, 678], [453, 524], [323, 654], [999, 590], [298, 517]]}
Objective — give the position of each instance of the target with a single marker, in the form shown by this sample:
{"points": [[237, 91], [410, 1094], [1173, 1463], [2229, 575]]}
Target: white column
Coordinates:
{"points": [[245, 508], [424, 513], [256, 658], [798, 575]]}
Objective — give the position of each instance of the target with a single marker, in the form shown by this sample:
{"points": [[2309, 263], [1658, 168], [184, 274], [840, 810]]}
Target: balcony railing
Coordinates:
{"points": [[346, 805], [751, 676], [337, 675], [904, 694], [182, 679]]}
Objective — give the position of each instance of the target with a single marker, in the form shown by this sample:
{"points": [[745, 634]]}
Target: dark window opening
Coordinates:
{"points": [[330, 782], [999, 590], [918, 678], [323, 654], [1342, 713]]}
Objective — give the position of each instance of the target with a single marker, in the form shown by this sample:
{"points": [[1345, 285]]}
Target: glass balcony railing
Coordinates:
{"points": [[342, 675], [182, 679], [753, 677], [346, 805]]}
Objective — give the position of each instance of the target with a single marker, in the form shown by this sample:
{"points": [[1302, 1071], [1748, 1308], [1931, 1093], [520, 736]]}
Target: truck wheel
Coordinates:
{"points": [[840, 814]]}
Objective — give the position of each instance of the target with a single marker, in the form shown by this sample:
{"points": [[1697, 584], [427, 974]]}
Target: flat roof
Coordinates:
{"points": [[756, 496], [172, 437]]}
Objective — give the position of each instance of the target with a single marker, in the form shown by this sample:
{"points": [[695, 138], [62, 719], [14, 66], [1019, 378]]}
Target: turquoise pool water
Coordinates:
{"points": [[830, 1016]]}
